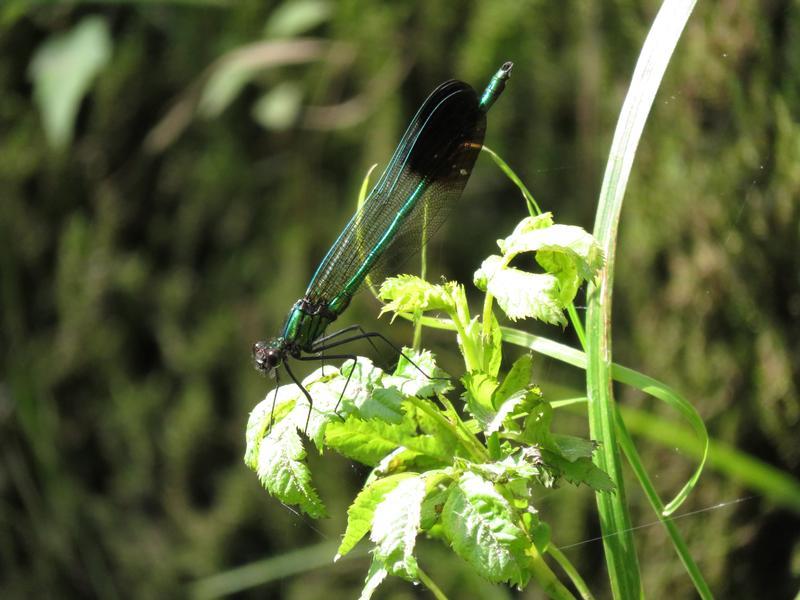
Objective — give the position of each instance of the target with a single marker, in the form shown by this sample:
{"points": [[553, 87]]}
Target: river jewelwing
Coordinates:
{"points": [[426, 175]]}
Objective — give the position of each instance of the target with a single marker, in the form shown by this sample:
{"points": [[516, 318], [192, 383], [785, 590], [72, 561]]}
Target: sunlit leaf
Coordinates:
{"points": [[277, 405], [377, 573], [481, 526], [359, 515], [422, 377], [395, 525], [478, 391], [521, 294], [518, 378], [365, 441], [282, 471], [409, 294]]}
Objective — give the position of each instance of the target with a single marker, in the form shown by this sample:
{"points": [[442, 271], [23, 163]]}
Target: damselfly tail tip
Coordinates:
{"points": [[507, 66]]}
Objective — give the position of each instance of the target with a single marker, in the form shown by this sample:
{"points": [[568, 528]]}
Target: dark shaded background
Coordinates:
{"points": [[139, 264]]}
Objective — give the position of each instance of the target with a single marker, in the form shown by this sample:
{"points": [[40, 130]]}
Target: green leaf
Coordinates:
{"points": [[370, 441], [377, 573], [259, 421], [572, 448], [521, 294], [423, 380], [526, 463], [282, 472], [478, 391], [518, 378], [384, 404], [397, 461], [409, 294], [359, 515], [62, 71], [506, 409], [294, 18], [395, 525], [365, 441], [540, 235], [365, 391], [279, 108], [364, 379], [437, 488], [537, 425], [493, 348], [568, 254], [481, 526], [581, 470]]}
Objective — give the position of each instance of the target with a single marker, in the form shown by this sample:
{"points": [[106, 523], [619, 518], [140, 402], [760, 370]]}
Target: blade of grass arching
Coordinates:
{"points": [[771, 483], [626, 443], [620, 552], [362, 197], [775, 485], [533, 207], [423, 273]]}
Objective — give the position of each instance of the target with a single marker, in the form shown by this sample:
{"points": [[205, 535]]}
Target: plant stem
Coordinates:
{"points": [[431, 585], [571, 572], [487, 316], [479, 451], [546, 578], [468, 441]]}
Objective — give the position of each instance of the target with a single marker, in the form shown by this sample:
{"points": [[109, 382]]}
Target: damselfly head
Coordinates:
{"points": [[268, 355]]}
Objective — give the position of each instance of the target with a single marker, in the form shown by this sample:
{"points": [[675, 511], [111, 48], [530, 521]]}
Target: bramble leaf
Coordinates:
{"points": [[395, 525], [283, 400], [521, 294], [365, 441], [518, 378], [377, 573], [581, 470], [507, 408], [573, 448], [361, 511], [481, 526], [409, 294], [370, 441], [478, 391], [282, 471], [568, 254], [423, 380]]}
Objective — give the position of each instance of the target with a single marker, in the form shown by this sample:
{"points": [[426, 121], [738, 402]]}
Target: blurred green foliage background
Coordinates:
{"points": [[171, 172]]}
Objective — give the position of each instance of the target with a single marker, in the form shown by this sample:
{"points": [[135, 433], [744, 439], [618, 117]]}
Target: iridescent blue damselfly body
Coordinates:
{"points": [[412, 198]]}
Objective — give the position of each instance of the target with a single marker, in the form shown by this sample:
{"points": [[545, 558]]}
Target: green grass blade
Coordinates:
{"points": [[362, 197], [533, 207], [626, 443], [774, 484], [623, 566]]}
